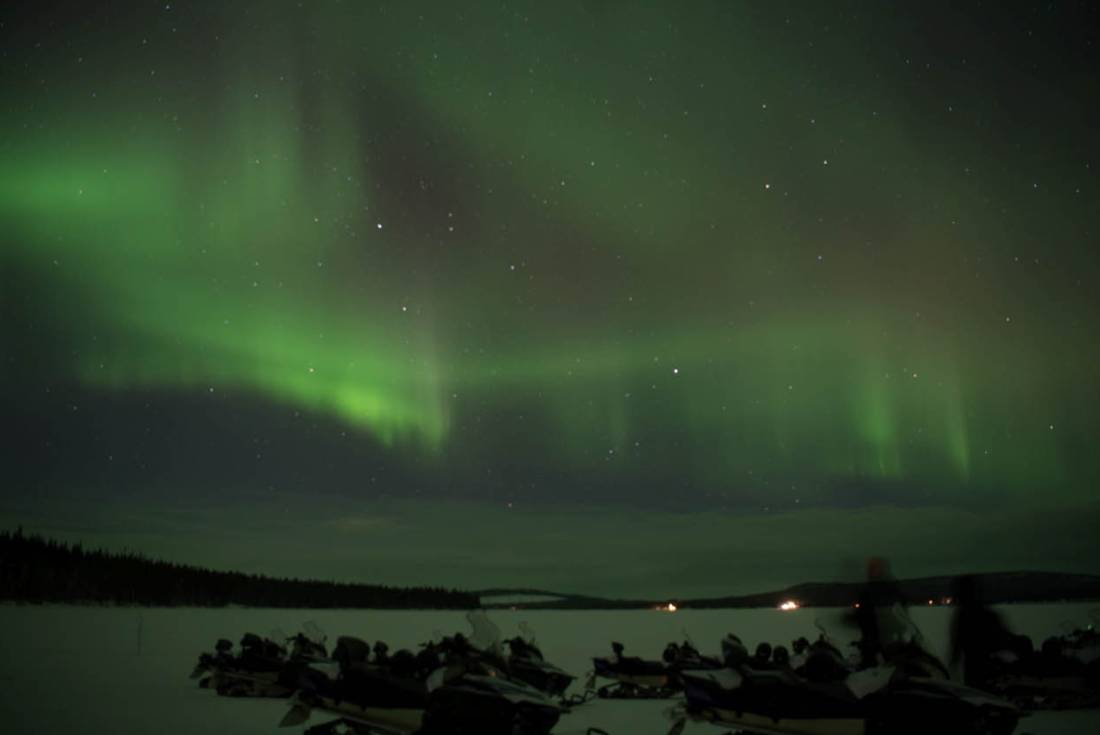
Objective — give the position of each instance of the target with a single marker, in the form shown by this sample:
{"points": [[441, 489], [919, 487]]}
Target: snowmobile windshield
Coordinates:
{"points": [[484, 634], [313, 632], [897, 627], [526, 642]]}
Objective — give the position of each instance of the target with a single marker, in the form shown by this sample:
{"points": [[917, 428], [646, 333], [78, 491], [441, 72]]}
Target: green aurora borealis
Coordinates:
{"points": [[742, 257]]}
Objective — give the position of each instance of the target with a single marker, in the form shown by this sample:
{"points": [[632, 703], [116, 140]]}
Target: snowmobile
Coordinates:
{"points": [[889, 699], [525, 662], [435, 692], [686, 657], [308, 645], [255, 672], [636, 678], [209, 662], [263, 667], [817, 661], [1063, 674]]}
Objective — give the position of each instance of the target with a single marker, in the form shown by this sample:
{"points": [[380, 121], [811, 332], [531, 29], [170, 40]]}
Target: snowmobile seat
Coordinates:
{"points": [[427, 661], [1020, 644], [762, 656], [259, 653], [403, 663], [522, 649], [350, 651], [271, 649], [305, 648], [823, 665]]}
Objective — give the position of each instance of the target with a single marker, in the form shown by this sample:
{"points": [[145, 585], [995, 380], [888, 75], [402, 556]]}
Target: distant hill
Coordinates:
{"points": [[998, 587], [37, 570]]}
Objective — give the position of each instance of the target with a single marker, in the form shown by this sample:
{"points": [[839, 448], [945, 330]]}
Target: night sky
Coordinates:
{"points": [[675, 299]]}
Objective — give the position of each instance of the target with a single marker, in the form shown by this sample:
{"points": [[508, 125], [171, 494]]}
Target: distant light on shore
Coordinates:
{"points": [[670, 607], [789, 605]]}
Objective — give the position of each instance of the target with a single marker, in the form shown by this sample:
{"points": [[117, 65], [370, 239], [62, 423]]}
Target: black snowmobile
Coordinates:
{"points": [[637, 678], [633, 677], [1063, 674], [686, 657], [764, 694], [525, 662], [817, 661], [262, 668], [440, 691], [208, 663]]}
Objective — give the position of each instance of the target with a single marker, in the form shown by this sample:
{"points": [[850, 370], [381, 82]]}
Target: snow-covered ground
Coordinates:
{"points": [[124, 671]]}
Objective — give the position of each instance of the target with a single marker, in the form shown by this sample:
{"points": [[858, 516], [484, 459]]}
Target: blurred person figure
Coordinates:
{"points": [[980, 640], [881, 615]]}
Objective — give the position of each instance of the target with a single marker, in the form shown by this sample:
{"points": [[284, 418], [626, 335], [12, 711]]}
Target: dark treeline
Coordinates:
{"points": [[36, 569]]}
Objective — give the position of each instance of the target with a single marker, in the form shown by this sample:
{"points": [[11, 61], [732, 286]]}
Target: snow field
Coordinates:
{"points": [[124, 671]]}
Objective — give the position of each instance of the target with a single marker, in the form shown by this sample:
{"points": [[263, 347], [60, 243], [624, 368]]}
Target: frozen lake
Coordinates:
{"points": [[125, 670]]}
